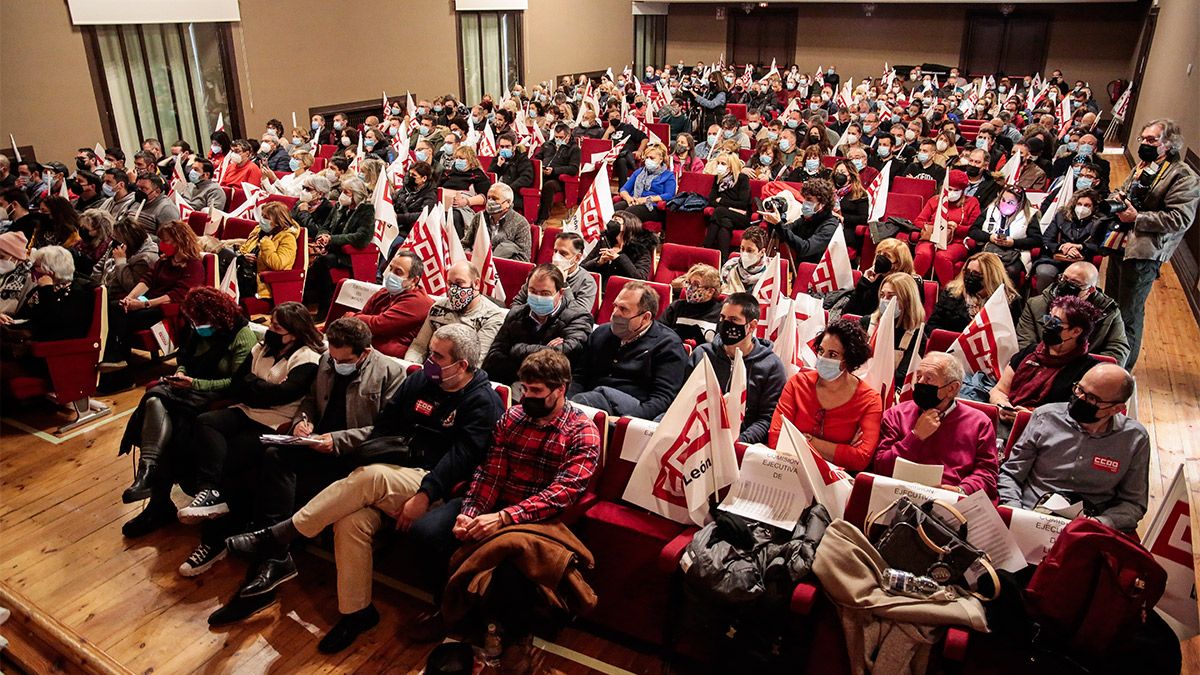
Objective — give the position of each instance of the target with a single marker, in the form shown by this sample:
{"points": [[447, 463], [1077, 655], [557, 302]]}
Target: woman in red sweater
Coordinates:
{"points": [[837, 412], [962, 211]]}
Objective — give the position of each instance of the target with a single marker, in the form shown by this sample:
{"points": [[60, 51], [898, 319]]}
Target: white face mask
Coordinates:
{"points": [[953, 195], [345, 200], [750, 259], [722, 169], [1082, 212], [563, 263]]}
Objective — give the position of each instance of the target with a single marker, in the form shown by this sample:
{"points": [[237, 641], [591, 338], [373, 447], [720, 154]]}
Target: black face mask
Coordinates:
{"points": [[536, 407], [1066, 288], [1147, 153], [611, 230], [926, 396], [840, 180], [81, 164], [731, 333], [1081, 411], [973, 282], [1052, 337], [883, 264], [972, 170], [614, 122]]}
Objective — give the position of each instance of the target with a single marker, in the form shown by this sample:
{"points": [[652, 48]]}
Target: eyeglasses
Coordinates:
{"points": [[1091, 398]]}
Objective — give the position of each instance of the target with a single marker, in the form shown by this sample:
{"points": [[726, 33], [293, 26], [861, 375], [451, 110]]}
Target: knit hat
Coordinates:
{"points": [[13, 245], [958, 179]]}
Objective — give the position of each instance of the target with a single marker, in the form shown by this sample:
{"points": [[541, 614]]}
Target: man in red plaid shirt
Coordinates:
{"points": [[542, 458]]}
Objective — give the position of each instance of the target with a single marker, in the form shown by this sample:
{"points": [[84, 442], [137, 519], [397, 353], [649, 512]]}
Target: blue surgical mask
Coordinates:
{"points": [[294, 164], [315, 126], [807, 209], [1072, 146], [205, 330], [765, 159], [712, 140], [981, 143], [793, 123], [1083, 183], [828, 369], [424, 131], [265, 226], [785, 145], [369, 143], [540, 304], [193, 176], [868, 128], [339, 125], [883, 151], [922, 157], [1085, 150], [506, 153], [108, 190], [811, 165], [345, 368], [727, 133], [296, 140], [460, 164], [858, 164], [773, 135], [393, 283], [422, 155]]}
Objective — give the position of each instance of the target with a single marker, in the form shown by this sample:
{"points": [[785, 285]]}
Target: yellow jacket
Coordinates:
{"points": [[275, 252]]}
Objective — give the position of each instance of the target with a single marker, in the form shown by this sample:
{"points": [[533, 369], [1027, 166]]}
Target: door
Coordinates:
{"points": [[995, 43], [761, 34]]}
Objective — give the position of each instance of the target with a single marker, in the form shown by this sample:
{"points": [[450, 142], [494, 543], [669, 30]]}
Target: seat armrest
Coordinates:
{"points": [[58, 348], [955, 646], [668, 558]]}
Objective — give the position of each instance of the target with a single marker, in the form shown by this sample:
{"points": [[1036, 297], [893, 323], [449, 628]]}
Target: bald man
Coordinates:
{"points": [[463, 304], [933, 429], [1087, 151], [1079, 279], [1085, 450]]}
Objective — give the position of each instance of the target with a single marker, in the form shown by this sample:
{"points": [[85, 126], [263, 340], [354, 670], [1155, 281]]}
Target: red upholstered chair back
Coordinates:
{"points": [[940, 340], [903, 206], [922, 187], [614, 286], [513, 274], [677, 259]]}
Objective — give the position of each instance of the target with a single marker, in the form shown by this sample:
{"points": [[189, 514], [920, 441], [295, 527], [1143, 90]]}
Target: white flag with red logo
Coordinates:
{"points": [[1061, 198], [834, 272], [410, 110], [400, 143], [910, 376], [249, 209], [487, 143], [940, 237], [594, 212], [636, 123], [1121, 107], [827, 483], [386, 227], [185, 210], [690, 457], [990, 340], [1169, 539], [878, 192], [1064, 116], [356, 163], [229, 280], [483, 262], [605, 158], [792, 325], [735, 397], [880, 369], [220, 122], [426, 240], [771, 285], [1011, 169]]}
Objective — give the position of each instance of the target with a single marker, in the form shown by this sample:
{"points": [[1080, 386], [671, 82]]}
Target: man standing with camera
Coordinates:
{"points": [[1150, 213]]}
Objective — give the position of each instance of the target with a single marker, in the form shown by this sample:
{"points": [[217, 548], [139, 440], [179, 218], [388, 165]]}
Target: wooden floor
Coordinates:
{"points": [[61, 546]]}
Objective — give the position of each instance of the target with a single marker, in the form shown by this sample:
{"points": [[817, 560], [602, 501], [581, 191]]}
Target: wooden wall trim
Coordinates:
{"points": [[79, 655], [1187, 257]]}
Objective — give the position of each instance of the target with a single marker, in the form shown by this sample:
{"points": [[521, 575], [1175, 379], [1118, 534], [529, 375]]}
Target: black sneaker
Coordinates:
{"points": [[241, 608], [150, 519], [347, 629], [271, 573], [202, 559], [207, 505]]}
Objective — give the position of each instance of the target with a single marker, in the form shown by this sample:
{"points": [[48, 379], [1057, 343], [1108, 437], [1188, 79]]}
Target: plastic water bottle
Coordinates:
{"points": [[907, 583], [492, 649]]}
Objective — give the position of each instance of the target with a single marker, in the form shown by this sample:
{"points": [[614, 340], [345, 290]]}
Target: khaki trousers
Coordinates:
{"points": [[352, 506]]}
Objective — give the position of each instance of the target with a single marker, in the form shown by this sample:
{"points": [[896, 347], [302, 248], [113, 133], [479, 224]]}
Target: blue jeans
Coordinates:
{"points": [[611, 400], [433, 534], [1129, 282]]}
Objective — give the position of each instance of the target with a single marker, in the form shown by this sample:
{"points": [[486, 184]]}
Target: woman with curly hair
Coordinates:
{"points": [[809, 235], [215, 343], [836, 411]]}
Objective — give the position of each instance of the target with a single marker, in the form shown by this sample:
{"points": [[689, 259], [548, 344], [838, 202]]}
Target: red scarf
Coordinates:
{"points": [[1034, 376]]}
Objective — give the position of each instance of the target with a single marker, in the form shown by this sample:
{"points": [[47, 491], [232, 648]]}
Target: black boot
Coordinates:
{"points": [[142, 482], [156, 515]]}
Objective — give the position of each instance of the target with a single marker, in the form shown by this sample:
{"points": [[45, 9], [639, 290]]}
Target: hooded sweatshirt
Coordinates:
{"points": [[765, 378]]}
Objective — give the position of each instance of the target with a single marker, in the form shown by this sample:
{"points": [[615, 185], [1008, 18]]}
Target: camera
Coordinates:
{"points": [[1111, 206], [777, 205]]}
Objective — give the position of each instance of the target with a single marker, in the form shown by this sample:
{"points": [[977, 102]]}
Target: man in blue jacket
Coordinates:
{"points": [[765, 376], [432, 435], [633, 365]]}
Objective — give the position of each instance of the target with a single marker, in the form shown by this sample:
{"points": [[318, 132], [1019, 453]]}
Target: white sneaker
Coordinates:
{"points": [[201, 560]]}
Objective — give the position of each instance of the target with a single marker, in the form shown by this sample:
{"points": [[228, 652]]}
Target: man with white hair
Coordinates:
{"points": [[933, 428], [508, 229], [1160, 198], [431, 436], [61, 309]]}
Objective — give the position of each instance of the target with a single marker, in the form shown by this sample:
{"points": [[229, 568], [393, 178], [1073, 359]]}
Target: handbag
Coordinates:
{"points": [[916, 541]]}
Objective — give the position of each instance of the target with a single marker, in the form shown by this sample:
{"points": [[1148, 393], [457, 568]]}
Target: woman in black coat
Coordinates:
{"points": [[853, 200], [730, 199], [627, 249]]}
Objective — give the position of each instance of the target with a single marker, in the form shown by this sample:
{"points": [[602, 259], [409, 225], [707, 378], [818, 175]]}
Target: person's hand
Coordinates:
{"points": [[927, 424], [324, 443], [251, 257], [1129, 215], [302, 428], [459, 201], [771, 217], [461, 523], [180, 381], [952, 488], [1008, 414], [996, 239], [268, 174], [303, 206], [546, 170], [5, 319], [484, 526], [322, 239], [45, 280], [556, 342], [414, 508], [608, 255], [119, 251]]}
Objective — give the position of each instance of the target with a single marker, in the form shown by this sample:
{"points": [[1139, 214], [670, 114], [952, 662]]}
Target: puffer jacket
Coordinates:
{"points": [[738, 561]]}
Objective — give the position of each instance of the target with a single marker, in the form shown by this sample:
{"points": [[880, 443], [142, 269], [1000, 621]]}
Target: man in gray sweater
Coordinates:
{"points": [[204, 191], [1086, 450], [157, 208]]}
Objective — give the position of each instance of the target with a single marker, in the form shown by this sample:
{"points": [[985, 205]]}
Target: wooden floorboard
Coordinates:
{"points": [[61, 546]]}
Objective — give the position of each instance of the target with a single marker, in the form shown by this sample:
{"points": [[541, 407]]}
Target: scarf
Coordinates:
{"points": [[641, 185], [1034, 376], [727, 181]]}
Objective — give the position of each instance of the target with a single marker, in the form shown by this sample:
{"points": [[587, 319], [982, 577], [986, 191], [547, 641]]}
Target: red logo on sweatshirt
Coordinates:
{"points": [[1106, 464], [424, 407]]}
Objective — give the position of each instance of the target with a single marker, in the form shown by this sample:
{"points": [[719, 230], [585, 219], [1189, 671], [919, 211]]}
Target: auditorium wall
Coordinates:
{"points": [[571, 36], [1092, 42], [1168, 90]]}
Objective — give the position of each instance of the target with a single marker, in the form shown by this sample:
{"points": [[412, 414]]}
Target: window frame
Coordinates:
{"points": [[653, 26], [234, 121], [518, 17]]}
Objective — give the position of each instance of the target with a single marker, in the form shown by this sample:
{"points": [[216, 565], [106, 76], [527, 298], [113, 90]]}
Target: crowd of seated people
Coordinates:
{"points": [[394, 406]]}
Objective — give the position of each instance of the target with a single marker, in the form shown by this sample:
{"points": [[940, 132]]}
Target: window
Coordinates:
{"points": [[649, 42], [489, 49], [168, 81]]}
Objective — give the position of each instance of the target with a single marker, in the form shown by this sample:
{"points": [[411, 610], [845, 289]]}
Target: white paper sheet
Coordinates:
{"points": [[768, 489], [922, 474], [987, 531], [1059, 506]]}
